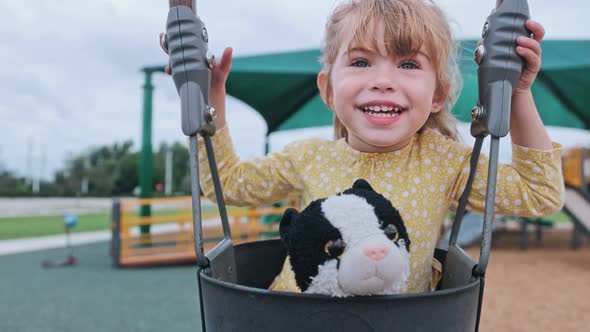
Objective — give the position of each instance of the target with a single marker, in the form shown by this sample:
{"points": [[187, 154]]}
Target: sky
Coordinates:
{"points": [[72, 76]]}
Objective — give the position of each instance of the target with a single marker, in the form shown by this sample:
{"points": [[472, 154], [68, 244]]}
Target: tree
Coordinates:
{"points": [[11, 185], [180, 165], [110, 170]]}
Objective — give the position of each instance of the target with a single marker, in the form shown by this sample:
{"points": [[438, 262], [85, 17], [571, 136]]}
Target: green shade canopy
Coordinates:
{"points": [[282, 86]]}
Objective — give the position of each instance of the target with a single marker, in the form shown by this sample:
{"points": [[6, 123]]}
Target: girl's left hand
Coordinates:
{"points": [[530, 50]]}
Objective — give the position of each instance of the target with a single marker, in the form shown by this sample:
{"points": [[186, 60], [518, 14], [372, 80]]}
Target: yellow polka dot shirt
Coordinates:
{"points": [[421, 180]]}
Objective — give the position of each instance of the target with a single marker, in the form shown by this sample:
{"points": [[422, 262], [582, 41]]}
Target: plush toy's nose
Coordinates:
{"points": [[376, 253]]}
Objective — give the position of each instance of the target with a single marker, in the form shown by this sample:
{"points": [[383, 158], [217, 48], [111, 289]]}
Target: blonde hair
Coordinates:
{"points": [[409, 25]]}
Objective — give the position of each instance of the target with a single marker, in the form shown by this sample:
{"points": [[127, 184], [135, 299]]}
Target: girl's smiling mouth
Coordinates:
{"points": [[381, 113]]}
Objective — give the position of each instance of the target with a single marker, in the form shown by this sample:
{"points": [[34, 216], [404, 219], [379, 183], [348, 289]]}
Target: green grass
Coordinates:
{"points": [[31, 226]]}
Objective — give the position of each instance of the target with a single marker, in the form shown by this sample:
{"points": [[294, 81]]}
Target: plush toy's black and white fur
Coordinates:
{"points": [[352, 243]]}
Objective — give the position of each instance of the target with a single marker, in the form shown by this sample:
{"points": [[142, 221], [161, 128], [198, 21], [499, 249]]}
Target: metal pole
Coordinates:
{"points": [[168, 180], [69, 248], [116, 233], [146, 163]]}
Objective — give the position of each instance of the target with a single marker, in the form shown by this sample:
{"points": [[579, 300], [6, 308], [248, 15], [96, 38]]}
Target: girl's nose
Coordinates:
{"points": [[384, 82]]}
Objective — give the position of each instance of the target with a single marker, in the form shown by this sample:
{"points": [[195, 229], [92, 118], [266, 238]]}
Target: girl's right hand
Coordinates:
{"points": [[219, 74]]}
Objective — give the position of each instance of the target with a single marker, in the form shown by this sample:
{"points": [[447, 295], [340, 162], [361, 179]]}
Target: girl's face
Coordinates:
{"points": [[382, 99]]}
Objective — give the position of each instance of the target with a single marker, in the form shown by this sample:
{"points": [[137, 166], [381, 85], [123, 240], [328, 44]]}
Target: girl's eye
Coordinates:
{"points": [[409, 65], [334, 248], [360, 63]]}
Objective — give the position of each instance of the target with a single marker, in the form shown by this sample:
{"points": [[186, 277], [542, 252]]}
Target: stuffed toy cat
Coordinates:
{"points": [[352, 243]]}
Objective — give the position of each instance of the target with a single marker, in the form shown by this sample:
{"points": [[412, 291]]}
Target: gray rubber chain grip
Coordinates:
{"points": [[501, 66], [187, 47]]}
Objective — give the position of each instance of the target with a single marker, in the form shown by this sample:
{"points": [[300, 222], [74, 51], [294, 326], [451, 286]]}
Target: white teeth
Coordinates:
{"points": [[373, 109], [383, 115]]}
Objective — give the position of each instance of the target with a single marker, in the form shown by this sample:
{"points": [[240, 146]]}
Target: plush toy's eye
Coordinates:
{"points": [[391, 232], [335, 248]]}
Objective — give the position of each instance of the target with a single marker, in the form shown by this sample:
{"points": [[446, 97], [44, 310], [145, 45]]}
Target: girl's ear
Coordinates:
{"points": [[439, 99], [323, 82]]}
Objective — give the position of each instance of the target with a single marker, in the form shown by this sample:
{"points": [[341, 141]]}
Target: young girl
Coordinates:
{"points": [[389, 77]]}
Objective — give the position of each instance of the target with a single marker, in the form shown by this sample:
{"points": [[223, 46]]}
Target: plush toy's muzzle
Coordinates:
{"points": [[374, 266]]}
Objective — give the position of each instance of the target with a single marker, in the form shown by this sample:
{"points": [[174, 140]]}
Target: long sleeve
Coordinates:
{"points": [[532, 185], [254, 182]]}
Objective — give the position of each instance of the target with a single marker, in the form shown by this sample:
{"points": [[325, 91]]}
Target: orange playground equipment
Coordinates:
{"points": [[576, 174], [576, 167], [170, 240]]}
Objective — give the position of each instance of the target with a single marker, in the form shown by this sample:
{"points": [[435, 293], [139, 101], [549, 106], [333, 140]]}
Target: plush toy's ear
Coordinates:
{"points": [[398, 221], [285, 225], [362, 184]]}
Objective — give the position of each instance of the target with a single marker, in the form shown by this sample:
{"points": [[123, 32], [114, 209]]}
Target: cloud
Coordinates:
{"points": [[72, 74]]}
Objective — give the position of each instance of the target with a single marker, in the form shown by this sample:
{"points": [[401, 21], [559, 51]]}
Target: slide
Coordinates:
{"points": [[577, 206], [470, 233]]}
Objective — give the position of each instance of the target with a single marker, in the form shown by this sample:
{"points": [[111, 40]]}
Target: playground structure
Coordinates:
{"points": [[576, 175], [576, 167], [170, 240]]}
